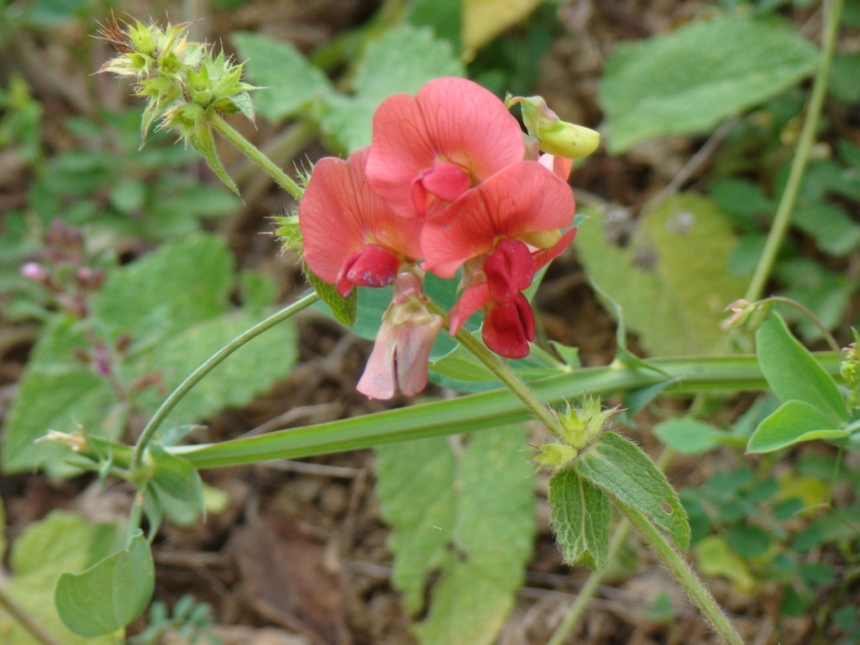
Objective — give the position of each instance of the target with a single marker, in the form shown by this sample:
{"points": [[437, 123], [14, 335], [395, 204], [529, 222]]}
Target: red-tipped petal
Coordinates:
{"points": [[340, 215], [523, 198], [373, 266]]}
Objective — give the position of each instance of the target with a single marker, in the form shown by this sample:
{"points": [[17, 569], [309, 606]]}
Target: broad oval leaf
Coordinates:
{"points": [[688, 81], [622, 470], [794, 374], [581, 515], [110, 594], [793, 422]]}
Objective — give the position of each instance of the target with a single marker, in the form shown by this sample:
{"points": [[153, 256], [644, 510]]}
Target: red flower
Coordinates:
{"points": [[429, 149], [509, 323], [351, 236], [524, 201]]}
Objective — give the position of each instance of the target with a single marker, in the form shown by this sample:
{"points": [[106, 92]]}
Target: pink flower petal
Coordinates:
{"points": [[560, 166], [373, 266], [522, 198], [453, 121], [340, 215], [471, 300], [545, 256]]}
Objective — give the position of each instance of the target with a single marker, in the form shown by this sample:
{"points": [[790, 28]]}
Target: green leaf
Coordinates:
{"points": [[715, 558], [289, 84], [793, 422], [688, 81], [581, 515], [749, 541], [794, 374], [177, 485], [690, 436], [59, 542], [475, 525], [444, 17], [110, 594], [672, 279], [620, 468], [401, 61], [174, 304]]}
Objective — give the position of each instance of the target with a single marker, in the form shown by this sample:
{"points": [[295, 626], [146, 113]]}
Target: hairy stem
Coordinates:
{"points": [[622, 532], [177, 395], [253, 153], [801, 156], [678, 567]]}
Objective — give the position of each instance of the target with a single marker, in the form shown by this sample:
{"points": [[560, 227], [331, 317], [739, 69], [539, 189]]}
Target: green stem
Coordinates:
{"points": [[682, 572], [513, 382], [253, 153], [801, 156], [477, 411], [210, 364], [619, 538]]}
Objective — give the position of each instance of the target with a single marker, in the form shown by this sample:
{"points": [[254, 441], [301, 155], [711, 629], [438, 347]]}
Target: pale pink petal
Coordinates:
{"points": [[560, 166], [379, 378], [522, 198], [414, 342]]}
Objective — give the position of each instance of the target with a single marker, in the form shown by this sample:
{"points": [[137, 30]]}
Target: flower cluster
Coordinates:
{"points": [[450, 182]]}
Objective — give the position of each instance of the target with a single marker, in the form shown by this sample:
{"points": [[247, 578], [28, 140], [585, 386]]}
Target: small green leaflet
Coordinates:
{"points": [[581, 515]]}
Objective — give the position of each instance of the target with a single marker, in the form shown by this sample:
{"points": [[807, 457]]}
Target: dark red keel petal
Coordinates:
{"points": [[373, 266], [509, 327]]}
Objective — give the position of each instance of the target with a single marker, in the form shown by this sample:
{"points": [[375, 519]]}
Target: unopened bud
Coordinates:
{"points": [[555, 136]]}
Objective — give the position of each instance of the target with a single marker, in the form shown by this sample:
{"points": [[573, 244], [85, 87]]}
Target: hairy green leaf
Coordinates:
{"points": [[110, 594], [686, 82], [671, 278], [620, 468], [475, 525], [581, 515]]}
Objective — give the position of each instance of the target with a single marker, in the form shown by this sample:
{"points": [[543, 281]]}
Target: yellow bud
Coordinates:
{"points": [[554, 136]]}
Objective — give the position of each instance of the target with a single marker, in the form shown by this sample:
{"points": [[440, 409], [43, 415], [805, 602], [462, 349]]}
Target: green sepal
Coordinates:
{"points": [[343, 309], [177, 485], [203, 141]]}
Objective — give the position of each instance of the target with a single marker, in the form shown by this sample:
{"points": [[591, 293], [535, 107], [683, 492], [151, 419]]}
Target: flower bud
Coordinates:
{"points": [[35, 272], [555, 136]]}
